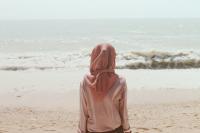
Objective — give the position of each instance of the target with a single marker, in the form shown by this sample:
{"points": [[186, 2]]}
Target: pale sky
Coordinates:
{"points": [[69, 9]]}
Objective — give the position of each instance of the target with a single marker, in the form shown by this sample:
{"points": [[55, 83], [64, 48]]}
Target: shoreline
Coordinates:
{"points": [[38, 88]]}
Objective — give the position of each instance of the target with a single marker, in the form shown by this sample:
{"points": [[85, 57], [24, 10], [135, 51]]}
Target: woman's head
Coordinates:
{"points": [[102, 57], [102, 75]]}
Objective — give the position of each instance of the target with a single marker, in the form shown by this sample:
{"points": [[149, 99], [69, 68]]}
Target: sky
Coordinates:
{"points": [[84, 9]]}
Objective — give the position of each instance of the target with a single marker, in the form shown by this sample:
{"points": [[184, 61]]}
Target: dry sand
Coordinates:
{"points": [[148, 118], [166, 116], [45, 102]]}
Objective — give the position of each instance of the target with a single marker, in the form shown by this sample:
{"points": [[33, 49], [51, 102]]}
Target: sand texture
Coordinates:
{"points": [[144, 118]]}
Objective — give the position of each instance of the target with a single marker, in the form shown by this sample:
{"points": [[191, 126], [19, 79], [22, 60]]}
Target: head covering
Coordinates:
{"points": [[102, 74]]}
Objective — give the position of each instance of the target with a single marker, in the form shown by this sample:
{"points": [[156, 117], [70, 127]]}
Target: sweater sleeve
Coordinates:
{"points": [[83, 114], [124, 111]]}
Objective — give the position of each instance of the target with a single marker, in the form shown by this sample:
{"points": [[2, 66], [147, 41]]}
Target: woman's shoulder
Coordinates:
{"points": [[86, 77], [85, 81], [122, 80]]}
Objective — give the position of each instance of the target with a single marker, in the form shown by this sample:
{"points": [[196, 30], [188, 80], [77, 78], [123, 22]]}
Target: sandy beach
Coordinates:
{"points": [[46, 102], [144, 118], [46, 49]]}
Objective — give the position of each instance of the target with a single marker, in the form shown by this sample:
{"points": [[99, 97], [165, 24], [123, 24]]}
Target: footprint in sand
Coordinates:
{"points": [[196, 116], [3, 131], [32, 127], [169, 126], [146, 129], [52, 130], [18, 96], [157, 129], [142, 128]]}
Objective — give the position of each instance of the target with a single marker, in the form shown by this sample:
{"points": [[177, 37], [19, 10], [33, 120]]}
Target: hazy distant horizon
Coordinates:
{"points": [[125, 18], [98, 9]]}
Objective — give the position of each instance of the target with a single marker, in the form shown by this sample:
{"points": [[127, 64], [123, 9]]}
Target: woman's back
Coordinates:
{"points": [[110, 112], [103, 95]]}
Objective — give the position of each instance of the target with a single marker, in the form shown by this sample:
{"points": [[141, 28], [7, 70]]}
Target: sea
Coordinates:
{"points": [[63, 44]]}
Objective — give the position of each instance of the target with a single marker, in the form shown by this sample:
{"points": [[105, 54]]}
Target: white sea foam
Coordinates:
{"points": [[158, 60], [30, 44], [80, 59]]}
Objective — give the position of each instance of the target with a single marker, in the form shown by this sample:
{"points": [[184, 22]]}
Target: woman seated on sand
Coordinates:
{"points": [[103, 95]]}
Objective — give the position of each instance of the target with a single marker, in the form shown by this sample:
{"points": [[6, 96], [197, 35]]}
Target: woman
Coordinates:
{"points": [[103, 95]]}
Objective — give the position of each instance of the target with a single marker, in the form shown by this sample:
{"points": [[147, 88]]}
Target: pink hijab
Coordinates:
{"points": [[102, 74]]}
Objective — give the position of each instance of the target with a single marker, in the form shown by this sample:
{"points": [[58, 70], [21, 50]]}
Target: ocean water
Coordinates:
{"points": [[63, 44]]}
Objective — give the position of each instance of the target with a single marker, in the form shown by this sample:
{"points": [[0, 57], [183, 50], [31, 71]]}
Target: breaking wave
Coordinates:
{"points": [[80, 59], [158, 60]]}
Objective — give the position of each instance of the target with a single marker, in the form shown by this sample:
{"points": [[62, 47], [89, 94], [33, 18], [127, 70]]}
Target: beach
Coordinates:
{"points": [[147, 118], [42, 63], [48, 101]]}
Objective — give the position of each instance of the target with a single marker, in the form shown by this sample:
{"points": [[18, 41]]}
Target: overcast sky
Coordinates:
{"points": [[67, 9]]}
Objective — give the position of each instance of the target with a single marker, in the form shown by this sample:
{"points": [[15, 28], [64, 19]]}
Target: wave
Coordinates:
{"points": [[43, 61], [159, 60], [80, 59], [17, 68]]}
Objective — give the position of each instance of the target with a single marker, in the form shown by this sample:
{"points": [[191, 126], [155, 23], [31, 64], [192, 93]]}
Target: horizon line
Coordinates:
{"points": [[100, 18]]}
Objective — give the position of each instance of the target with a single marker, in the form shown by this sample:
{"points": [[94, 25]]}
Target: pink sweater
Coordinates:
{"points": [[106, 115]]}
